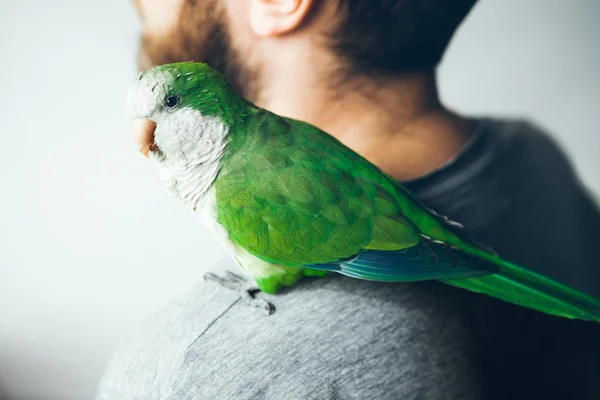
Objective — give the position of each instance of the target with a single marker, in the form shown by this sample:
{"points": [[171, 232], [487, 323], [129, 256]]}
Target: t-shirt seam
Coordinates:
{"points": [[214, 321]]}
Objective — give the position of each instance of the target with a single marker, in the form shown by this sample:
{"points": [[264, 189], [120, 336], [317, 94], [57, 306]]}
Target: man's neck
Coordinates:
{"points": [[399, 125]]}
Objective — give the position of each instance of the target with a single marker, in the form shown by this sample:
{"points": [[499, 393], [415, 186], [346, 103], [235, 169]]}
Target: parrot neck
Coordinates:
{"points": [[189, 179]]}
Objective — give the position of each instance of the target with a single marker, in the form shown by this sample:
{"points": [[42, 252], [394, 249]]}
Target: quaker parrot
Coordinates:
{"points": [[288, 200]]}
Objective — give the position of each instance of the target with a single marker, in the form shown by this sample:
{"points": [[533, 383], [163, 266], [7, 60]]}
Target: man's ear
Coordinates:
{"points": [[278, 17]]}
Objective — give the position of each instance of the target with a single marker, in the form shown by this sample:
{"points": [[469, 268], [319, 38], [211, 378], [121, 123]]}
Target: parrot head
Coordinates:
{"points": [[181, 111]]}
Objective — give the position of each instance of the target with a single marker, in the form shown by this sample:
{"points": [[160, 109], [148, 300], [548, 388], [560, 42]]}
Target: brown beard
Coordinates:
{"points": [[200, 35]]}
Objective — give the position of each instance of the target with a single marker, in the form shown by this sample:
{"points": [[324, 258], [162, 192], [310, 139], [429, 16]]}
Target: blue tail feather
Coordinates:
{"points": [[426, 260]]}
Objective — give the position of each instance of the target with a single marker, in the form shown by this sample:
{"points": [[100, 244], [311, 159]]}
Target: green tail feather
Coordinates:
{"points": [[520, 286]]}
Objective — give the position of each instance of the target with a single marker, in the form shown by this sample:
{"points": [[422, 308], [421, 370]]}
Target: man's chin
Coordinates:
{"points": [[143, 61], [150, 48], [201, 36]]}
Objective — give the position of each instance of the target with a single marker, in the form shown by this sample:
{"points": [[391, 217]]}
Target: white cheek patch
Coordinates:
{"points": [[192, 146], [188, 136]]}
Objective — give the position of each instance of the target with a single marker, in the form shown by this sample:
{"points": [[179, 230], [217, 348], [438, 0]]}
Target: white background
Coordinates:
{"points": [[90, 243]]}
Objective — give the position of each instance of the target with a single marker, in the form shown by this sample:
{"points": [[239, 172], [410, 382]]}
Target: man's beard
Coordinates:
{"points": [[201, 35]]}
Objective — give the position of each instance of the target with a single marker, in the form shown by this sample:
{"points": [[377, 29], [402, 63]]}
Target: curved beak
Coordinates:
{"points": [[143, 136]]}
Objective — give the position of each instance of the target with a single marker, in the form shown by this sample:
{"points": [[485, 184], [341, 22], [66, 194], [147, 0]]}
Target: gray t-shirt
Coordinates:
{"points": [[342, 338]]}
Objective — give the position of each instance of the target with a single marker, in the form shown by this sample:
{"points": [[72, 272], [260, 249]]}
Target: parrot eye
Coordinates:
{"points": [[171, 101]]}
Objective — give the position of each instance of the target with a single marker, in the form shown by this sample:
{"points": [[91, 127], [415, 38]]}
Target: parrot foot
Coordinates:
{"points": [[246, 289]]}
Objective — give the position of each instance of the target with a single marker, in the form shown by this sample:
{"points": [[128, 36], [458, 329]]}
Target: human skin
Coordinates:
{"points": [[396, 122]]}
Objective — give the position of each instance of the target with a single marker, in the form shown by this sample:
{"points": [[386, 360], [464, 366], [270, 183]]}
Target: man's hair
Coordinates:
{"points": [[395, 36]]}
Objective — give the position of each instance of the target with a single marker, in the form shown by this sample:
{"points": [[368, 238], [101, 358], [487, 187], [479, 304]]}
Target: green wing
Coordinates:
{"points": [[295, 196], [290, 194]]}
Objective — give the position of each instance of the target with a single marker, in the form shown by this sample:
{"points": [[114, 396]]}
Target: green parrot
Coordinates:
{"points": [[288, 200]]}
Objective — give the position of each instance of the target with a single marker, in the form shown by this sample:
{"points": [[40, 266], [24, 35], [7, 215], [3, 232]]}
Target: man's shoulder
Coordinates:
{"points": [[506, 162], [154, 353], [515, 189], [522, 141], [328, 338], [531, 168]]}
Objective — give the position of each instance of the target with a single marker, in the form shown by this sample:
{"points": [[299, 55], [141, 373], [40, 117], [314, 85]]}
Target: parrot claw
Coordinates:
{"points": [[246, 289], [249, 299], [234, 277]]}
